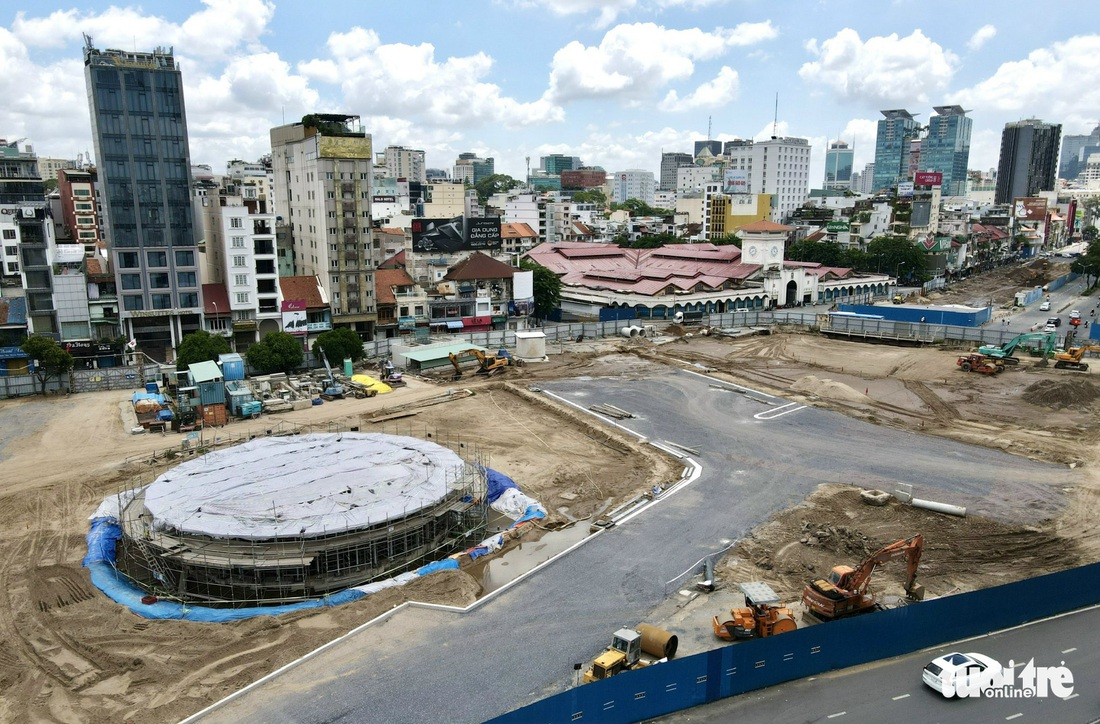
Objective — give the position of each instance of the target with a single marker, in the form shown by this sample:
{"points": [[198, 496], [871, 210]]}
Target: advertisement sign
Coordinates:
{"points": [[905, 188], [835, 227], [295, 322], [1030, 208], [735, 181], [457, 234], [293, 305], [928, 178], [384, 199]]}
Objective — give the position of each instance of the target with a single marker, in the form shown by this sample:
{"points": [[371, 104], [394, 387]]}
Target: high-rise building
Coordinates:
{"points": [[895, 131], [555, 163], [838, 165], [633, 184], [1029, 159], [1075, 153], [139, 128], [405, 163], [323, 174], [867, 179], [779, 166], [714, 147], [670, 162], [470, 168], [78, 206], [946, 148]]}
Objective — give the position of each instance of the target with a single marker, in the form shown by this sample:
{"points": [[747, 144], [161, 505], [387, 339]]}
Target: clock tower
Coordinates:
{"points": [[764, 243]]}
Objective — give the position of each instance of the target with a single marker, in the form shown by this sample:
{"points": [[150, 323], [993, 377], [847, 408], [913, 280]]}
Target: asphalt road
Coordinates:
{"points": [[892, 691], [759, 455]]}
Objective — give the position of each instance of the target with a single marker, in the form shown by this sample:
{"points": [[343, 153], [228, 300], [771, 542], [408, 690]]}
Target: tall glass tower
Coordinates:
{"points": [[895, 131], [1029, 159], [838, 165], [140, 134], [946, 149]]}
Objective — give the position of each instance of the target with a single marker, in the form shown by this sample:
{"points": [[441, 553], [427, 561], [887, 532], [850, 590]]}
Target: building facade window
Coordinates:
{"points": [[131, 281], [158, 280], [240, 261], [132, 302], [240, 280], [157, 258], [236, 223], [242, 297], [186, 279], [238, 242], [185, 258], [189, 299], [128, 260], [161, 301]]}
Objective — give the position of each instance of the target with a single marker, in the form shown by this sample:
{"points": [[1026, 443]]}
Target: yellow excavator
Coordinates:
{"points": [[1071, 358], [487, 364]]}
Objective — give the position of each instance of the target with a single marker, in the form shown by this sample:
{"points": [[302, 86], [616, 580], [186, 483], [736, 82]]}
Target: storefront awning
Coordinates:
{"points": [[454, 324]]}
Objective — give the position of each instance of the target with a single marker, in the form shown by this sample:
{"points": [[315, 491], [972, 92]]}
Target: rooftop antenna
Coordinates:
{"points": [[775, 122]]}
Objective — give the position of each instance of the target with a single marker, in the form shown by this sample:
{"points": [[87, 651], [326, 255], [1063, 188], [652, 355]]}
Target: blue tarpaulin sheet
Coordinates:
{"points": [[101, 541], [533, 512], [497, 484], [148, 396], [443, 565]]}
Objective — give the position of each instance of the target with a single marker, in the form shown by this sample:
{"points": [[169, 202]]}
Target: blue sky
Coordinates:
{"points": [[615, 82]]}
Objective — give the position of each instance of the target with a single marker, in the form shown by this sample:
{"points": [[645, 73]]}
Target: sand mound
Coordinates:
{"points": [[1076, 393], [831, 389]]}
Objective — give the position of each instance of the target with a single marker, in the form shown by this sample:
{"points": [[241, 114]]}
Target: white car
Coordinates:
{"points": [[954, 672], [1045, 306], [1075, 314], [1049, 327]]}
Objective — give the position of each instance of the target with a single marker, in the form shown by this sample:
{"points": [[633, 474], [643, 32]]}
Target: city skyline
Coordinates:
{"points": [[615, 82]]}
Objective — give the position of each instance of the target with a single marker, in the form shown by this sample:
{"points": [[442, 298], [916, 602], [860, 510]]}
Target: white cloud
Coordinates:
{"points": [[714, 93], [632, 62], [1060, 83], [400, 80], [610, 10], [981, 36], [884, 69]]}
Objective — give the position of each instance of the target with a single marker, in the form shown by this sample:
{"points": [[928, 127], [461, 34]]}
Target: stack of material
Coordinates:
{"points": [[608, 410]]}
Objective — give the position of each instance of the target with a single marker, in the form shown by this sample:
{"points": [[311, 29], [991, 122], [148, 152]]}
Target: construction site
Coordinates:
{"points": [[76, 655]]}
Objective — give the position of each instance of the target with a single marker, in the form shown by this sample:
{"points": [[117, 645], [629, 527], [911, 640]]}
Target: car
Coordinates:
{"points": [[953, 672], [1048, 328], [1056, 321], [1074, 315], [1045, 306]]}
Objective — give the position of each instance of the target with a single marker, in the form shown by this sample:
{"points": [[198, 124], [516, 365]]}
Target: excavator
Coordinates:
{"points": [[1071, 358], [487, 364], [846, 592], [759, 618], [1043, 342]]}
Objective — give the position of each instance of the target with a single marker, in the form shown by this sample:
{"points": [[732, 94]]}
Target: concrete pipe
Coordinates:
{"points": [[658, 642], [625, 332], [940, 507], [641, 332], [634, 331]]}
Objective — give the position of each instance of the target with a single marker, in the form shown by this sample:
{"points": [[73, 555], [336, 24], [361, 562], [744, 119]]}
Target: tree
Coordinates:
{"points": [[637, 207], [727, 240], [547, 287], [1089, 233], [200, 346], [1088, 264], [591, 196], [276, 352], [339, 344], [49, 359], [493, 184]]}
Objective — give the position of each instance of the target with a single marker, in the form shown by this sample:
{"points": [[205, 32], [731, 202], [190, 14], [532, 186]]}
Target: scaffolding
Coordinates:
{"points": [[248, 570]]}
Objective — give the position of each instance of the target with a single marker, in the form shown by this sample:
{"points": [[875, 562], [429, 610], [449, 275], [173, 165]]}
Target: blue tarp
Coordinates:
{"points": [[101, 541], [148, 396], [443, 565], [533, 512], [497, 484]]}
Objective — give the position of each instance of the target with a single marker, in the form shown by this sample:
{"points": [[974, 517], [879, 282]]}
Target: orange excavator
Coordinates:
{"points": [[846, 592], [1071, 358]]}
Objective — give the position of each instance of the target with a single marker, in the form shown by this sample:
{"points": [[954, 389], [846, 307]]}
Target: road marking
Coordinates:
{"points": [[903, 696], [834, 716], [779, 411], [1014, 716], [1070, 651]]}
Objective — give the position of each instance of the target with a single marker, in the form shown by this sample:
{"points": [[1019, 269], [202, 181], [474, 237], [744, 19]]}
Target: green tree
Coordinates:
{"points": [[637, 207], [1088, 264], [276, 352], [49, 359], [339, 344], [547, 287], [591, 196], [1089, 233], [897, 255], [493, 184], [727, 240], [651, 241], [200, 346]]}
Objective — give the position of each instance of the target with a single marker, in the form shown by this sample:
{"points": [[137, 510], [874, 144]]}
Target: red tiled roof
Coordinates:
{"points": [[93, 266], [386, 279], [517, 231], [395, 261], [215, 300], [479, 266], [304, 288]]}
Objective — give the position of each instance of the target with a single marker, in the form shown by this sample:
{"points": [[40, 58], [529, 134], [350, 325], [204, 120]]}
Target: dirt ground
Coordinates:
{"points": [[74, 655]]}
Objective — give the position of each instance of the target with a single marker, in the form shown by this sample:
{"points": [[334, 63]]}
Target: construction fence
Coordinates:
{"points": [[735, 669]]}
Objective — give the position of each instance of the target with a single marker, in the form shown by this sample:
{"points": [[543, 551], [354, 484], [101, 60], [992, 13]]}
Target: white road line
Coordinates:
{"points": [[730, 384], [1014, 716], [1070, 651], [834, 716], [779, 411], [903, 696]]}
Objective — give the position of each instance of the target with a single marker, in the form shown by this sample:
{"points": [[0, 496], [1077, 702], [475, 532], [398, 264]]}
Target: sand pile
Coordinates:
{"points": [[1078, 393], [830, 389]]}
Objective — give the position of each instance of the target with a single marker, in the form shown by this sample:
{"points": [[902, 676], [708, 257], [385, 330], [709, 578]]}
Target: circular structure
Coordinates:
{"points": [[280, 519]]}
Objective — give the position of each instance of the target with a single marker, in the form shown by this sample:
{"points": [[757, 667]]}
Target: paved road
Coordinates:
{"points": [[424, 666], [891, 691]]}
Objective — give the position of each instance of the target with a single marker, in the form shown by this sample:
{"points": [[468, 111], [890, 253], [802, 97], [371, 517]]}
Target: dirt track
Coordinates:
{"points": [[73, 655]]}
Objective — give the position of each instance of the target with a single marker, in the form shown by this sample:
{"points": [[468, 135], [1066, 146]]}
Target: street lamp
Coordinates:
{"points": [[214, 325]]}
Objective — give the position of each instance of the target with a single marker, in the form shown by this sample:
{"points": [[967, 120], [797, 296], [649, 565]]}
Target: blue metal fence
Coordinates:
{"points": [[735, 669]]}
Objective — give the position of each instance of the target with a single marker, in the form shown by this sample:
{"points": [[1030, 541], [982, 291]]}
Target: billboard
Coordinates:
{"points": [[457, 234], [928, 178], [294, 316], [835, 227], [735, 181], [905, 188], [1030, 208]]}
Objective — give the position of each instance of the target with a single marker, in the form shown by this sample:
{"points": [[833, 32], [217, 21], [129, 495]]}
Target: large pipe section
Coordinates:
{"points": [[939, 507]]}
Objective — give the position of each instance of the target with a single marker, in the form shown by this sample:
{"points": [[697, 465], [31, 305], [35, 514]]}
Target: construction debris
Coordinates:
{"points": [[611, 411]]}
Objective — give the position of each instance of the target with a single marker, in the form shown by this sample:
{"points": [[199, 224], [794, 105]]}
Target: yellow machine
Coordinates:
{"points": [[627, 647], [1071, 358], [487, 364], [759, 618]]}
